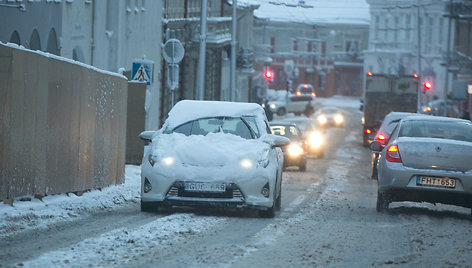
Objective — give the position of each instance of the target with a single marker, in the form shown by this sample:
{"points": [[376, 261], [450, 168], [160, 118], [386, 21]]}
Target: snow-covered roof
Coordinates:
{"points": [[313, 11], [187, 110]]}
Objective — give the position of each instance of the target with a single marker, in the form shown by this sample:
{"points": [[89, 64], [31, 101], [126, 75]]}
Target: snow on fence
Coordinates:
{"points": [[62, 124]]}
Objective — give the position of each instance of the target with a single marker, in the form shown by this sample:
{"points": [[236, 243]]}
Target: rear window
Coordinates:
{"points": [[437, 129], [290, 132]]}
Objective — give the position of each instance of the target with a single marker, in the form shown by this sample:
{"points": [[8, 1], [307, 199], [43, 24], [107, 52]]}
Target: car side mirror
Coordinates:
{"points": [[376, 146], [146, 136], [275, 140]]}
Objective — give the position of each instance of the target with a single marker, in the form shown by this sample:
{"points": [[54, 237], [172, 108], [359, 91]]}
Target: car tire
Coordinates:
{"points": [[281, 111], [382, 202], [302, 167], [268, 213], [278, 201], [148, 206], [374, 174]]}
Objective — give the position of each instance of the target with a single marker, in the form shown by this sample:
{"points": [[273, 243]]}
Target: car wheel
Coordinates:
{"points": [[278, 201], [374, 174], [382, 202], [148, 206], [302, 167], [269, 212], [281, 111]]}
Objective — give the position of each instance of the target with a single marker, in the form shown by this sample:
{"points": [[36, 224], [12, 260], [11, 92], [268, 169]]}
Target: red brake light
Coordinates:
{"points": [[381, 137], [299, 93], [393, 154], [313, 94], [305, 86], [415, 76], [369, 74], [368, 131]]}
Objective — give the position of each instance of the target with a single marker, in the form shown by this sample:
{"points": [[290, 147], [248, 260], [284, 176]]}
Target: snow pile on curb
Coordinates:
{"points": [[68, 207]]}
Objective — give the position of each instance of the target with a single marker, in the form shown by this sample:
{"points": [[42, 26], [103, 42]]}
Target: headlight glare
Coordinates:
{"points": [[168, 161], [322, 119], [295, 149], [338, 118], [315, 139], [245, 163]]}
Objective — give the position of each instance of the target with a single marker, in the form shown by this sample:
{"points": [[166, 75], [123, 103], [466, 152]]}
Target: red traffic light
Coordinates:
{"points": [[415, 76], [427, 85], [268, 74]]}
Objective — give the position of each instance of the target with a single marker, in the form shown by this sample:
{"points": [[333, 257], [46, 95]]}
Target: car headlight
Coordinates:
{"points": [[168, 161], [272, 106], [338, 118], [295, 150], [152, 159], [315, 139], [322, 119], [246, 163]]}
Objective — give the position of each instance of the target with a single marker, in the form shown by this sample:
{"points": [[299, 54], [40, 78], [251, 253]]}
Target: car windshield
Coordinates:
{"points": [[287, 131], [244, 127], [329, 110], [437, 129]]}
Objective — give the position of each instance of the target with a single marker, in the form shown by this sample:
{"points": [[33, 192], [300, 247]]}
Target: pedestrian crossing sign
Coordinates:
{"points": [[143, 71]]}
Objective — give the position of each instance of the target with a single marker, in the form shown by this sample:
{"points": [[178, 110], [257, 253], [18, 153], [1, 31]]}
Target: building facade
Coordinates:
{"points": [[410, 38], [108, 34], [302, 45]]}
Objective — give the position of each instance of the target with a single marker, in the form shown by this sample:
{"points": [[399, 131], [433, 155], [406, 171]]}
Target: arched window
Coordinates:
{"points": [[52, 43], [35, 43], [15, 38], [78, 55]]}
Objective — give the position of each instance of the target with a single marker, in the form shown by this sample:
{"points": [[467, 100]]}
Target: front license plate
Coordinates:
{"points": [[205, 187], [434, 181]]}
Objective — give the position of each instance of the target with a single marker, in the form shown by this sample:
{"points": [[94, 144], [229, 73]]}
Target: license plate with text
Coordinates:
{"points": [[205, 187], [434, 181]]}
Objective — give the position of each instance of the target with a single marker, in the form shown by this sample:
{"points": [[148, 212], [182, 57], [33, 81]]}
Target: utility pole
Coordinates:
{"points": [[420, 73], [448, 59], [202, 56], [233, 52]]}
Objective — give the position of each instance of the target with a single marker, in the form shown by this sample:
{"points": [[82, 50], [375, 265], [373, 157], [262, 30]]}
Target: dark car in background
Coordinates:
{"points": [[313, 135], [330, 116], [294, 152], [383, 134]]}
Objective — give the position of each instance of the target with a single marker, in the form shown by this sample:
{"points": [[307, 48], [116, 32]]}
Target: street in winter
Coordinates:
{"points": [[235, 133]]}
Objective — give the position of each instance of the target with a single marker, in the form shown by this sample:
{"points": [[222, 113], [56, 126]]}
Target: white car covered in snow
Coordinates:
{"points": [[213, 154]]}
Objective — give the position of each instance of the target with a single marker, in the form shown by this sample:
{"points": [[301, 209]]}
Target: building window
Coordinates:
{"points": [[386, 30], [295, 45], [407, 27], [440, 32], [272, 44], [309, 46], [395, 33], [377, 24]]}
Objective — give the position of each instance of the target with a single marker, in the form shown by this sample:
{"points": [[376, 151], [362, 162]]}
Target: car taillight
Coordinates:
{"points": [[299, 93], [381, 138], [313, 94], [393, 154], [368, 131]]}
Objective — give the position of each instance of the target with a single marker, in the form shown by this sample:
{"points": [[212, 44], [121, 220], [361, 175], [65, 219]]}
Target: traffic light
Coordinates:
{"points": [[427, 85], [370, 74], [268, 75]]}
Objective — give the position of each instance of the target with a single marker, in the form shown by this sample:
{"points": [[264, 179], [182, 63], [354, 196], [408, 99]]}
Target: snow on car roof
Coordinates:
{"points": [[188, 110]]}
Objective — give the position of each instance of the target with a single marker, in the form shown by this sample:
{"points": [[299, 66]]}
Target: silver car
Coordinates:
{"points": [[427, 159]]}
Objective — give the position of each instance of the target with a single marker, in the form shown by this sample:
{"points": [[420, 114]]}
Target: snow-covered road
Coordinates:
{"points": [[328, 219]]}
